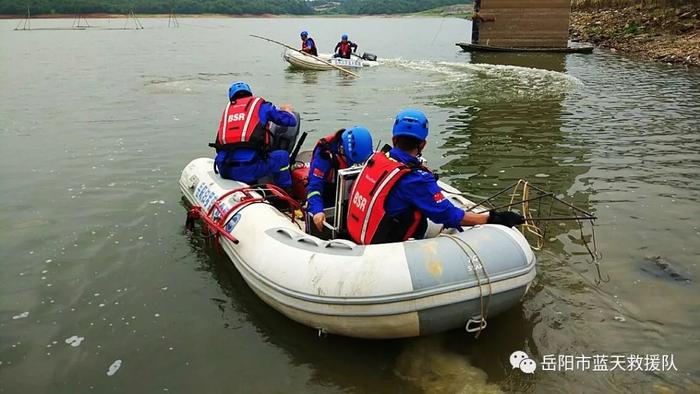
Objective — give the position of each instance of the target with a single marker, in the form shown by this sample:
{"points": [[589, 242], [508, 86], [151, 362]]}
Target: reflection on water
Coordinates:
{"points": [[308, 77]]}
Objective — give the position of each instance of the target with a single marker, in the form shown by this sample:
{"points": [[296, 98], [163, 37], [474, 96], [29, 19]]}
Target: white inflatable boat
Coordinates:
{"points": [[300, 60], [404, 289]]}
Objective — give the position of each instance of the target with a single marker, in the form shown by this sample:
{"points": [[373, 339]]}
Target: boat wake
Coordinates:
{"points": [[188, 83], [490, 82]]}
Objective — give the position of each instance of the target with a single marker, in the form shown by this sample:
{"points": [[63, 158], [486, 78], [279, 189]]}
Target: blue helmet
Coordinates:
{"points": [[304, 33], [357, 144], [344, 37], [412, 123], [239, 86]]}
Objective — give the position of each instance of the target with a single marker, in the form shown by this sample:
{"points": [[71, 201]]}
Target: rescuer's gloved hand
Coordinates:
{"points": [[506, 218]]}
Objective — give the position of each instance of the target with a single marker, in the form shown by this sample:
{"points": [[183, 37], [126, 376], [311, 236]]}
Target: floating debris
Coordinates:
{"points": [[114, 367], [663, 268], [20, 316], [75, 340]]}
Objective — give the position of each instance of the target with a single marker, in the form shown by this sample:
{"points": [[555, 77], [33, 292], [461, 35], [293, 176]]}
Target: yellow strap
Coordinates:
{"points": [[284, 168], [313, 194]]}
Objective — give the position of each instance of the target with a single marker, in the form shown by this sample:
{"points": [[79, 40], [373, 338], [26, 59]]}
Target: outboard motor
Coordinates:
{"points": [[369, 56], [285, 137]]}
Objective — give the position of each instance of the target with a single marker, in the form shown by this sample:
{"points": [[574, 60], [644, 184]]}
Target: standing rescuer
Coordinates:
{"points": [[394, 193], [244, 139], [345, 48], [308, 44], [334, 152]]}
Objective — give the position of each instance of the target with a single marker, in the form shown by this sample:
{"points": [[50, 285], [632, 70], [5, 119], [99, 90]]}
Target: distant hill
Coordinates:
{"points": [[376, 7], [231, 7]]}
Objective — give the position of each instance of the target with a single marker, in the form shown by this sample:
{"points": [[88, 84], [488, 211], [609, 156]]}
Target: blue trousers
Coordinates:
{"points": [[275, 166]]}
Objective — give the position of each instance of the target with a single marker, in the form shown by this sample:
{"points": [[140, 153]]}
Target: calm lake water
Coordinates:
{"points": [[95, 127]]}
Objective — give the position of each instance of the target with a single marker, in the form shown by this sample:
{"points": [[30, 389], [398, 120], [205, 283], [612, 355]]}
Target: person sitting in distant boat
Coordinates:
{"points": [[395, 193], [345, 48], [243, 141], [308, 45], [334, 152]]}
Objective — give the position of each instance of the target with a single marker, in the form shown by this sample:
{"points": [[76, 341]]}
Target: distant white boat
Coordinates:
{"points": [[300, 60]]}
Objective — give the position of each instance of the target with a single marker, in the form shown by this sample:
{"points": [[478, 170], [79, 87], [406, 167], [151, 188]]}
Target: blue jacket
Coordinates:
{"points": [[318, 170], [311, 44], [267, 112], [418, 190]]}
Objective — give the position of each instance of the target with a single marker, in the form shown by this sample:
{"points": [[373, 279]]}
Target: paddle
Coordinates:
{"points": [[307, 54]]}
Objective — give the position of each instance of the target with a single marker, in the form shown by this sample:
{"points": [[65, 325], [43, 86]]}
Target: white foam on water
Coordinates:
{"points": [[20, 316], [114, 367], [525, 81], [75, 340]]}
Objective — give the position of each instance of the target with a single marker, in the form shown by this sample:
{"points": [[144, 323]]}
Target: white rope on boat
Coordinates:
{"points": [[463, 245]]}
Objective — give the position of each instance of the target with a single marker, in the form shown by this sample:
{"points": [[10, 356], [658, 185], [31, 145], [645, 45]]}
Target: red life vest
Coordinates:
{"points": [[240, 125], [337, 160], [367, 222], [345, 49]]}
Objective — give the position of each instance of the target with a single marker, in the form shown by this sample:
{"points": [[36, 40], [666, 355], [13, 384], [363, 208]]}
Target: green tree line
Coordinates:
{"points": [[256, 7], [233, 7], [374, 7]]}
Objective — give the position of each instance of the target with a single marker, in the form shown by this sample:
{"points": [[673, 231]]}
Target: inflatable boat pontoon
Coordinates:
{"points": [[404, 289], [300, 60]]}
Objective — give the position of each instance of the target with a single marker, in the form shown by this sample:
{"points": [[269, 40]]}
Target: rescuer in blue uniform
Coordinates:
{"points": [[308, 44], [334, 152], [243, 139], [411, 198], [344, 48]]}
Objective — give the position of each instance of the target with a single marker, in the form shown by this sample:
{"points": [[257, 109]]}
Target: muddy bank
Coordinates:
{"points": [[664, 33]]}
